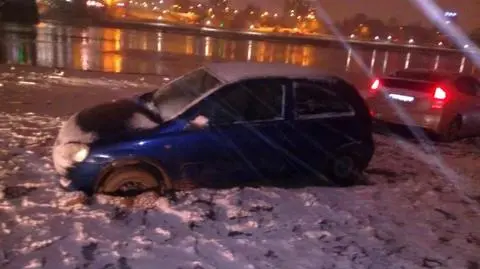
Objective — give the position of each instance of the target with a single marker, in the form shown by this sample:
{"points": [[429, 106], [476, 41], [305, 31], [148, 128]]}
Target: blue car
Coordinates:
{"points": [[220, 123]]}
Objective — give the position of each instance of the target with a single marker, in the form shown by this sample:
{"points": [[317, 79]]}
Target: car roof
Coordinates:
{"points": [[428, 74], [235, 71]]}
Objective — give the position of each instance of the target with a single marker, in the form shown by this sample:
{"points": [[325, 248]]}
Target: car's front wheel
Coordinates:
{"points": [[128, 181], [345, 171]]}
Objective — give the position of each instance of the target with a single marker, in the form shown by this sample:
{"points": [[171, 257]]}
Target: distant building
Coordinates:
{"points": [[218, 4], [296, 7], [443, 38], [184, 5]]}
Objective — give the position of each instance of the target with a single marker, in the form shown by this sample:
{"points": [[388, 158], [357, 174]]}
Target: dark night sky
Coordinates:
{"points": [[468, 10]]}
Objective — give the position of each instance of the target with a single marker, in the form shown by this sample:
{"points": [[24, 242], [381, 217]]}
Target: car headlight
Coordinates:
{"points": [[76, 152]]}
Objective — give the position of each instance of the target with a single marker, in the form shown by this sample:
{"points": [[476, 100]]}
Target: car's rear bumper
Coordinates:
{"points": [[430, 121]]}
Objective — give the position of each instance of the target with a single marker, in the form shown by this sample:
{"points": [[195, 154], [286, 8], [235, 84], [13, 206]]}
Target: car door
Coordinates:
{"points": [[243, 138], [469, 106], [322, 123], [255, 125], [249, 117], [199, 154]]}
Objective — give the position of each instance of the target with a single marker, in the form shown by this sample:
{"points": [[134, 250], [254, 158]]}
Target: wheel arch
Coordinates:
{"points": [[360, 151], [460, 117], [457, 116], [146, 163], [447, 120]]}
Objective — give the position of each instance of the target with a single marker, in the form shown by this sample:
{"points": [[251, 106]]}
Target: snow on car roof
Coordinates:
{"points": [[231, 72]]}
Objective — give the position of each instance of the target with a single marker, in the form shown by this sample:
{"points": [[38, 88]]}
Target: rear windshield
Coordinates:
{"points": [[426, 76], [400, 83]]}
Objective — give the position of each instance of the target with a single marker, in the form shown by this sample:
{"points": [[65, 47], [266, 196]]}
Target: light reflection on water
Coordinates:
{"points": [[133, 51], [385, 62]]}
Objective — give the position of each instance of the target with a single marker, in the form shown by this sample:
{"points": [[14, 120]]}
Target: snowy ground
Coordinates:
{"points": [[421, 212]]}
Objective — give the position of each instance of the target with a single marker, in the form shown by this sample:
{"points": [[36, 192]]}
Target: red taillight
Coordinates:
{"points": [[375, 85], [440, 94], [439, 98]]}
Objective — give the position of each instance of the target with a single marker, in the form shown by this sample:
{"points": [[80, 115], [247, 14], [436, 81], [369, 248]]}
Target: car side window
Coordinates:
{"points": [[468, 86], [249, 101], [476, 85], [317, 101]]}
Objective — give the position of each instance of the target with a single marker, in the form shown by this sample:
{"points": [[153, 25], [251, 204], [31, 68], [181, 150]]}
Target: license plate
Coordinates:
{"points": [[403, 98]]}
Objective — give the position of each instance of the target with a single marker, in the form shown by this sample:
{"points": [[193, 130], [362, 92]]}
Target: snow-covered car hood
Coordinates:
{"points": [[106, 120]]}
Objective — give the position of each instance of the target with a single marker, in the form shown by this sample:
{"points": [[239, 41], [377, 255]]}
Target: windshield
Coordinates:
{"points": [[174, 97]]}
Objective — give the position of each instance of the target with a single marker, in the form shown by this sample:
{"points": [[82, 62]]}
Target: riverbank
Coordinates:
{"points": [[321, 40], [279, 37]]}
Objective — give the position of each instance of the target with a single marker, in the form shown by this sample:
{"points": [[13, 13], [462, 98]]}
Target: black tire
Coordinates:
{"points": [[345, 171], [130, 181], [451, 133]]}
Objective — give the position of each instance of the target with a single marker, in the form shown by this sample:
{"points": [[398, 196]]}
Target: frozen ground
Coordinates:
{"points": [[417, 214]]}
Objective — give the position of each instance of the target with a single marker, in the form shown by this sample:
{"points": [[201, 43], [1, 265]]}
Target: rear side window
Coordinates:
{"points": [[394, 83], [317, 101], [477, 86], [468, 85]]}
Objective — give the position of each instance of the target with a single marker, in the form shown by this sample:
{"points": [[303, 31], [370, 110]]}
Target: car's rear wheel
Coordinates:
{"points": [[452, 132], [130, 181]]}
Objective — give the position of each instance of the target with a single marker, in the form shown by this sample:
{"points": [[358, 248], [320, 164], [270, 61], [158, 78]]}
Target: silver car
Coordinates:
{"points": [[447, 104]]}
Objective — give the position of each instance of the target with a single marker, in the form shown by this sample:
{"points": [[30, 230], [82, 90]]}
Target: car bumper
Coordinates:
{"points": [[66, 184], [429, 121], [81, 177]]}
